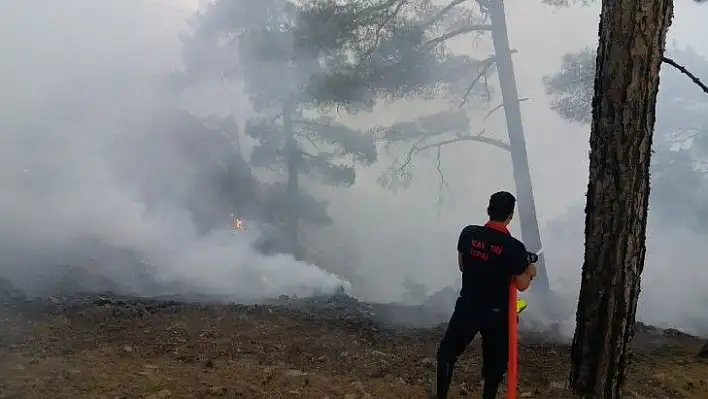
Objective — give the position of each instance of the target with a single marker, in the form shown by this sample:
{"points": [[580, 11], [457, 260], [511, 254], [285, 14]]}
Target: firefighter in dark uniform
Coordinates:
{"points": [[489, 258]]}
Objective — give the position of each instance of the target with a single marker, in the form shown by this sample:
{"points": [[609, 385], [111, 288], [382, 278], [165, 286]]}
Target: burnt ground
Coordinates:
{"points": [[107, 347]]}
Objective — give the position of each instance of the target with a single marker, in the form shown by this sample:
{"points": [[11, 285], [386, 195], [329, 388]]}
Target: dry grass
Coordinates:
{"points": [[261, 352]]}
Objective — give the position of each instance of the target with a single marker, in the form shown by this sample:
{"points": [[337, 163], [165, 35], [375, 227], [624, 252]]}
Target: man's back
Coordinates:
{"points": [[490, 257]]}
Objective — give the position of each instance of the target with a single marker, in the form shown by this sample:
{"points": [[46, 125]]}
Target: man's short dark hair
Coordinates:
{"points": [[501, 206]]}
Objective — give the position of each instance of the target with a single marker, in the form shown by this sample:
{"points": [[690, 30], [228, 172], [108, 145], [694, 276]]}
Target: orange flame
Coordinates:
{"points": [[238, 224]]}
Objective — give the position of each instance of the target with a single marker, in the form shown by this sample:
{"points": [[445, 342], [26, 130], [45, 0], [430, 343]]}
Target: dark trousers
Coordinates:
{"points": [[467, 320]]}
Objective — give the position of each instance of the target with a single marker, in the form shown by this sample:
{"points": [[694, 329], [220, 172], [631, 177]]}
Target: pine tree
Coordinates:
{"points": [[253, 42], [383, 50], [680, 146]]}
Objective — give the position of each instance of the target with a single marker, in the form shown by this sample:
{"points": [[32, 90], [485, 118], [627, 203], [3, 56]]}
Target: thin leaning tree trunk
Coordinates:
{"points": [[631, 45], [527, 216]]}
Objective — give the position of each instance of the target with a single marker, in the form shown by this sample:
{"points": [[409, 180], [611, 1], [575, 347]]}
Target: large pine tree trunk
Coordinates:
{"points": [[632, 36]]}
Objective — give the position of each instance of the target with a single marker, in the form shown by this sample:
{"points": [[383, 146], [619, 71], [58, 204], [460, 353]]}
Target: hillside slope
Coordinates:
{"points": [[102, 347]]}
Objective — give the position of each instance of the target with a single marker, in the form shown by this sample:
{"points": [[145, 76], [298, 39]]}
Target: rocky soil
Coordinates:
{"points": [[106, 346]]}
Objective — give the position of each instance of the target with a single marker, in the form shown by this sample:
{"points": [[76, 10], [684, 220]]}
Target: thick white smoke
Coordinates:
{"points": [[87, 75], [61, 196]]}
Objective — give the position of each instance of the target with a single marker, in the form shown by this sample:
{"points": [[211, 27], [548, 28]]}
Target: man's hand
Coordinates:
{"points": [[523, 281], [532, 270]]}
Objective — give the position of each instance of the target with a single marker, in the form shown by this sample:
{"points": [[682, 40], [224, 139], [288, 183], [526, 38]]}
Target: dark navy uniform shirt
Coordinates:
{"points": [[490, 258]]}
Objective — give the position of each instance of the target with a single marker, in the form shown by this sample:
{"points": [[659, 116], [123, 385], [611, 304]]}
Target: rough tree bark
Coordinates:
{"points": [[631, 45]]}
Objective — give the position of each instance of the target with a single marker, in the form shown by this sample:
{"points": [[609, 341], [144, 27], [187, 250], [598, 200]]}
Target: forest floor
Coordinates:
{"points": [[99, 347]]}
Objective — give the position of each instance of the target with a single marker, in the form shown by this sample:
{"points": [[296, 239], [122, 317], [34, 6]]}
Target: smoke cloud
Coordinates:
{"points": [[74, 199]]}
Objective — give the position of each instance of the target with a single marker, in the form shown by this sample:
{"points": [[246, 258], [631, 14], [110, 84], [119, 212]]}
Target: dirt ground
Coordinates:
{"points": [[169, 350]]}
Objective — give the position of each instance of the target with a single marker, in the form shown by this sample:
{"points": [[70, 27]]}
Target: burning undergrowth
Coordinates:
{"points": [[76, 288], [88, 291]]}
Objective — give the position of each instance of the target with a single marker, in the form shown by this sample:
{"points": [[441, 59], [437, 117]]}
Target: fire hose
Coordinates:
{"points": [[516, 306]]}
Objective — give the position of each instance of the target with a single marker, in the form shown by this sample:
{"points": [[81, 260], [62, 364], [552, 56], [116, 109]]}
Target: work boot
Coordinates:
{"points": [[444, 377]]}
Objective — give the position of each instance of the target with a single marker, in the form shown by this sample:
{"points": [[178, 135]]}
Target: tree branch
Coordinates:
{"points": [[377, 34], [499, 106], [409, 156], [457, 32], [444, 11], [415, 148], [686, 72], [404, 171], [487, 63], [442, 184], [309, 139], [381, 7], [478, 138]]}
